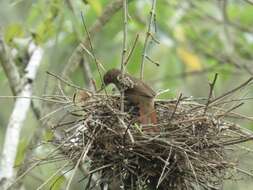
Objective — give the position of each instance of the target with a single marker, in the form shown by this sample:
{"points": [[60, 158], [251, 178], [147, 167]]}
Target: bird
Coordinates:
{"points": [[136, 92]]}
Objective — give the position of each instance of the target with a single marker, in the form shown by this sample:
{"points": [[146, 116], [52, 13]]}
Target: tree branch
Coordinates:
{"points": [[148, 34], [16, 121], [124, 49], [211, 89], [105, 17], [9, 67]]}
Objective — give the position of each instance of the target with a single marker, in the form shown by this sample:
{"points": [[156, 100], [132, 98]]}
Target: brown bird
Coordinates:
{"points": [[137, 92]]}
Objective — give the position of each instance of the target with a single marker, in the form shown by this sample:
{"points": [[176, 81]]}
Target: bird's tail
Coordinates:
{"points": [[148, 116], [153, 117]]}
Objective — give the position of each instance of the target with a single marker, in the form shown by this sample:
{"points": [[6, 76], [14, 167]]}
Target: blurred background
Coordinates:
{"points": [[191, 40]]}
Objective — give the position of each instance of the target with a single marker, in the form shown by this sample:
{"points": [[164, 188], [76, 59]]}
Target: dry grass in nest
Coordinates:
{"points": [[188, 153]]}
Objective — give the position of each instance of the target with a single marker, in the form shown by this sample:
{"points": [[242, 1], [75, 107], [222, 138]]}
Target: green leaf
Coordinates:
{"points": [[48, 135], [57, 182], [21, 152], [45, 30], [242, 15], [95, 4], [13, 31]]}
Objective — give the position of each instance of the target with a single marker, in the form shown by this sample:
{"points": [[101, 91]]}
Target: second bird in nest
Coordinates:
{"points": [[137, 92]]}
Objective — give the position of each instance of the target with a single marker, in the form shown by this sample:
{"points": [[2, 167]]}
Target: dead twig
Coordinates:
{"points": [[211, 88], [144, 52], [231, 91]]}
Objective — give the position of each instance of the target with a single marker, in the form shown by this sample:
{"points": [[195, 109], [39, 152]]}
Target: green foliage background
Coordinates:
{"points": [[195, 43]]}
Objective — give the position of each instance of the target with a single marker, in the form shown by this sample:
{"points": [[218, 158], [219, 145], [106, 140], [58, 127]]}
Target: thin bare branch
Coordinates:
{"points": [[230, 110], [80, 160], [67, 82], [124, 50], [211, 88], [144, 52], [232, 91], [164, 168], [248, 173], [177, 103], [132, 49], [101, 21], [92, 49], [38, 162], [152, 61]]}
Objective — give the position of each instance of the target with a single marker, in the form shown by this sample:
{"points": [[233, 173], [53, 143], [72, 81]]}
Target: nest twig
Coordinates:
{"points": [[188, 153]]}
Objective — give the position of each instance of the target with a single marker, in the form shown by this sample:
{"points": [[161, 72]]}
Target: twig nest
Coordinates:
{"points": [[188, 152]]}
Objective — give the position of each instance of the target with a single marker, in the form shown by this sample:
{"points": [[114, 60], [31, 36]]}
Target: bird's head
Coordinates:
{"points": [[111, 76]]}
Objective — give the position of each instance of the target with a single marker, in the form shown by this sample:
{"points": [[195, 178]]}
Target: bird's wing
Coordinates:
{"points": [[141, 89]]}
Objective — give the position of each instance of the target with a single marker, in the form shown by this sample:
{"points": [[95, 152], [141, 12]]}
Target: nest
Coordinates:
{"points": [[188, 153]]}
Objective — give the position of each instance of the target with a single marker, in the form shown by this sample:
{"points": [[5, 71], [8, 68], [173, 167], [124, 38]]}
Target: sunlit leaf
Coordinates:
{"points": [[244, 15], [44, 30], [13, 31], [190, 59], [21, 152], [48, 135], [57, 182], [95, 4]]}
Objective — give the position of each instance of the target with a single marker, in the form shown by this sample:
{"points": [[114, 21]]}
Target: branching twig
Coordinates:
{"points": [[67, 82], [102, 20], [151, 20], [175, 109], [41, 160], [132, 50], [92, 49], [80, 160], [232, 91], [211, 85], [244, 171], [124, 50], [230, 110], [164, 168], [152, 61]]}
